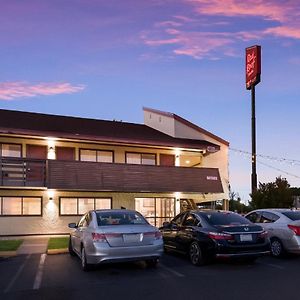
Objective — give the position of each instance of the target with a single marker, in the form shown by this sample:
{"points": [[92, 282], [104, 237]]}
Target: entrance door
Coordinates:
{"points": [[65, 153], [35, 169], [167, 159]]}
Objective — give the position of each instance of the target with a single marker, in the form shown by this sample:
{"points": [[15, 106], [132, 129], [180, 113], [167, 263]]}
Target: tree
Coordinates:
{"points": [[235, 203], [277, 194]]}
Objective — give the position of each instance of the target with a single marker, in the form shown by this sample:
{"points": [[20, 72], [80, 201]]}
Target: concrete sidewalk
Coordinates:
{"points": [[32, 245]]}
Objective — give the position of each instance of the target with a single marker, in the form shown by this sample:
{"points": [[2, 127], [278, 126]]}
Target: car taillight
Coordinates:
{"points": [[99, 237], [220, 236], [156, 234], [263, 234], [296, 229]]}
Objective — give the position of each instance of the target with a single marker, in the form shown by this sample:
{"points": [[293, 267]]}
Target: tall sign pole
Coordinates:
{"points": [[253, 71]]}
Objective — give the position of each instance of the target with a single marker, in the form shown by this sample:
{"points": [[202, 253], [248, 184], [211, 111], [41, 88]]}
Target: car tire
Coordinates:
{"points": [[277, 249], [196, 254], [152, 263], [84, 265], [71, 250]]}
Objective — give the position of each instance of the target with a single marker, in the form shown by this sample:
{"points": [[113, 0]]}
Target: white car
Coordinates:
{"points": [[114, 235], [283, 226]]}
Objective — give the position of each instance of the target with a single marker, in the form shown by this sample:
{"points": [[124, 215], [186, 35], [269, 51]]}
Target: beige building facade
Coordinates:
{"points": [[55, 168]]}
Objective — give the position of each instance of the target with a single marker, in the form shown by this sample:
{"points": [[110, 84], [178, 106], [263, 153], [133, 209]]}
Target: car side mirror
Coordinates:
{"points": [[72, 225], [166, 224]]}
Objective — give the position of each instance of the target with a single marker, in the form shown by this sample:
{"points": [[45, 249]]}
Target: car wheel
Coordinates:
{"points": [[152, 263], [277, 249], [85, 266], [71, 250], [196, 254]]}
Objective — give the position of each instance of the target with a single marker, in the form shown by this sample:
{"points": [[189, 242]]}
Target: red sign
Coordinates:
{"points": [[253, 66]]}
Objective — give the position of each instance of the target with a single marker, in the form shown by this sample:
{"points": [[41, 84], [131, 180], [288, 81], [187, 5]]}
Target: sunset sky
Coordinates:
{"points": [[107, 59]]}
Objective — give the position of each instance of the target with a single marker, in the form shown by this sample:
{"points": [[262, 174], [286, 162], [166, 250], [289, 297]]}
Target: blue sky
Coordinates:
{"points": [[108, 59]]}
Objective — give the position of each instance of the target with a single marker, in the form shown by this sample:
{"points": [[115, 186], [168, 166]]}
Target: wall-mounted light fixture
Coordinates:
{"points": [[51, 148], [50, 194]]}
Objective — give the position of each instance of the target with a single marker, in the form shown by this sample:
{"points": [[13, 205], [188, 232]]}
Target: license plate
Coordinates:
{"points": [[131, 238], [246, 237]]}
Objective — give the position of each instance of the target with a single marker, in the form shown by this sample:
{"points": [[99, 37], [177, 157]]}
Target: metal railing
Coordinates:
{"points": [[22, 172]]}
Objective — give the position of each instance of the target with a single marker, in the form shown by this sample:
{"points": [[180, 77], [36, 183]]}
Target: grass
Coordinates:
{"points": [[58, 243], [10, 245]]}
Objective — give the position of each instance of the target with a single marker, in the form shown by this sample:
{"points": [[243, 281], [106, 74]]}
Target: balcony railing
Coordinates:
{"points": [[76, 175], [116, 177], [19, 172]]}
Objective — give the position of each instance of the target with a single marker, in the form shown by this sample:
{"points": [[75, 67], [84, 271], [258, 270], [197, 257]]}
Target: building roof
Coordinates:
{"points": [[187, 123], [45, 125]]}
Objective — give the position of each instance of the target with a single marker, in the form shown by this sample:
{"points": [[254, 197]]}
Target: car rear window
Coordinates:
{"points": [[225, 218], [119, 218], [293, 215]]}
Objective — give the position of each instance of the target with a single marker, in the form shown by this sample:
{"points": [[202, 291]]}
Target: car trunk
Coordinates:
{"points": [[125, 236], [243, 234]]}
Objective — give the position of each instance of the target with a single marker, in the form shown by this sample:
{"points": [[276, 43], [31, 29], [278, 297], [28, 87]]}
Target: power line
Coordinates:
{"points": [[269, 157], [292, 162]]}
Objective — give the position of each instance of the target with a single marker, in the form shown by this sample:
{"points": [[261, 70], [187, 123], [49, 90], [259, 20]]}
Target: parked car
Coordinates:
{"points": [[206, 235], [283, 226], [103, 236]]}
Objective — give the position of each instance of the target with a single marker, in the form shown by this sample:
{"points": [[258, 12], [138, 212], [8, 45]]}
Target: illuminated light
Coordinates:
{"points": [[51, 194], [51, 148], [187, 161]]}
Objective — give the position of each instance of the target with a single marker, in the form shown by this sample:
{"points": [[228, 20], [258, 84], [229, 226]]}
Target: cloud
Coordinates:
{"points": [[22, 89], [271, 10], [208, 32]]}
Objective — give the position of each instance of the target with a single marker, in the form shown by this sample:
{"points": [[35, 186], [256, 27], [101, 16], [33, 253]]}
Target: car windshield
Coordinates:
{"points": [[225, 218], [293, 215], [108, 218]]}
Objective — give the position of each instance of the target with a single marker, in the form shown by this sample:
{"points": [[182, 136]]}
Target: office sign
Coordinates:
{"points": [[253, 66]]}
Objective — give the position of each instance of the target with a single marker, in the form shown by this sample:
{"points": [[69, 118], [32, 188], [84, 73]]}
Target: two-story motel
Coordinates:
{"points": [[55, 168]]}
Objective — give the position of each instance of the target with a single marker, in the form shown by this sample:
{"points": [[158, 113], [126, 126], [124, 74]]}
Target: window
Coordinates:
{"points": [[96, 155], [178, 219], [268, 217], [156, 210], [254, 217], [140, 158], [119, 218], [10, 150], [190, 220], [293, 215], [79, 206], [20, 206]]}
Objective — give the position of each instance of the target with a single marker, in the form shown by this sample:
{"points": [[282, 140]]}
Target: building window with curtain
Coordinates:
{"points": [[80, 205]]}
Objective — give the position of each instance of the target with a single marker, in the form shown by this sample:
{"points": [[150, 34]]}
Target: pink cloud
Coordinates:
{"points": [[284, 31], [195, 44], [268, 9], [21, 89]]}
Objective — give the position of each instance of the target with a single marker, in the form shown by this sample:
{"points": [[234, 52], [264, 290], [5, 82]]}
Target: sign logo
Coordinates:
{"points": [[253, 66], [246, 228]]}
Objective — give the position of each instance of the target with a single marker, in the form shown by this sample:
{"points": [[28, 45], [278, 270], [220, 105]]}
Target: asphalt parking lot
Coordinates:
{"points": [[41, 276]]}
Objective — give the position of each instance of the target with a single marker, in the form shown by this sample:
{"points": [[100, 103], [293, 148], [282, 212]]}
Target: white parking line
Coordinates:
{"points": [[272, 265], [39, 274], [178, 274], [9, 286]]}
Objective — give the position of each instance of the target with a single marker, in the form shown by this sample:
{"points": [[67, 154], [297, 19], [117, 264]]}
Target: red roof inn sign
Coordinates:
{"points": [[253, 69]]}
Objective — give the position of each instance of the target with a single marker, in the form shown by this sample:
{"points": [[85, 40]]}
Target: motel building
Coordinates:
{"points": [[55, 168]]}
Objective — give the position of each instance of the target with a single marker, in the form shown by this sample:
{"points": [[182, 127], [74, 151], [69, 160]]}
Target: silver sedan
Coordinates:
{"points": [[283, 226], [114, 235]]}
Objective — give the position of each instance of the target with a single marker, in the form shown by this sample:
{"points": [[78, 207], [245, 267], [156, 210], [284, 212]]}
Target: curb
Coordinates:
{"points": [[57, 251], [8, 253]]}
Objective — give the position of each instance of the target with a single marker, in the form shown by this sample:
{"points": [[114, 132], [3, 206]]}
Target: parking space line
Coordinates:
{"points": [[272, 265], [39, 274], [178, 274], [11, 283]]}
